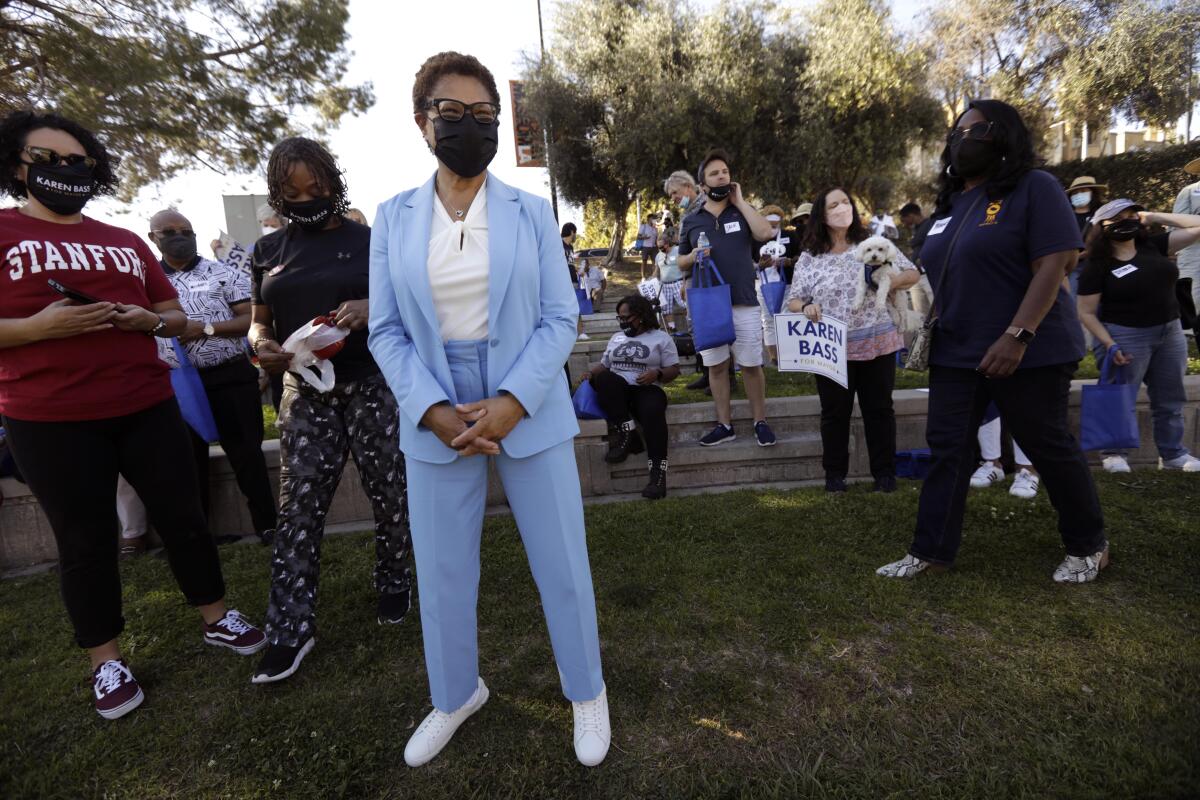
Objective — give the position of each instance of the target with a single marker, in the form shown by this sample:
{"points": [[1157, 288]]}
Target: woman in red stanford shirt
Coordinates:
{"points": [[85, 397]]}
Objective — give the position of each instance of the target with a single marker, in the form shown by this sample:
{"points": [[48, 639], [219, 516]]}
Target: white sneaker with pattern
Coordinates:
{"points": [[1076, 569], [1116, 464], [1025, 485], [908, 567], [438, 728], [987, 475], [592, 732]]}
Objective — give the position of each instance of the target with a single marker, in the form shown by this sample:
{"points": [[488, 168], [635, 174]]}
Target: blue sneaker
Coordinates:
{"points": [[718, 435], [764, 434]]}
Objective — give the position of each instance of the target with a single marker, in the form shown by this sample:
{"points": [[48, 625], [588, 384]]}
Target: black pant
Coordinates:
{"points": [[1033, 403], [648, 405], [72, 467], [873, 382], [232, 390]]}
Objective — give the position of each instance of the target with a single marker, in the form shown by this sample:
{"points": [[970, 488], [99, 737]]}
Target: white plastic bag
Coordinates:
{"points": [[311, 347]]}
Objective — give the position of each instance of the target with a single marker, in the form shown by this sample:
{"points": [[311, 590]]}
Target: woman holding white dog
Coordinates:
{"points": [[827, 281]]}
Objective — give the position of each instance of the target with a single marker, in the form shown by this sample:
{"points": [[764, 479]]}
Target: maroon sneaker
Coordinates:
{"points": [[234, 632], [117, 691]]}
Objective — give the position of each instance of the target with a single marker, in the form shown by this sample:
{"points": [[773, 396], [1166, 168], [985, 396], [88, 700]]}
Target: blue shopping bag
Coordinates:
{"points": [[193, 400], [773, 293], [711, 307], [587, 406], [1109, 411], [585, 302]]}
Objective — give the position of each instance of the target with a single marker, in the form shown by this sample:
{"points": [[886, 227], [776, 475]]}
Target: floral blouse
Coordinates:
{"points": [[829, 280]]}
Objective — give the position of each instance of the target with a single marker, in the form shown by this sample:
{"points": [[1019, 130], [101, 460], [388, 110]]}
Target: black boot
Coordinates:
{"points": [[700, 383], [623, 439], [656, 489]]}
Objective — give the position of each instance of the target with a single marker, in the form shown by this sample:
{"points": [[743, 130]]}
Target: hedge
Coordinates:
{"points": [[1151, 177]]}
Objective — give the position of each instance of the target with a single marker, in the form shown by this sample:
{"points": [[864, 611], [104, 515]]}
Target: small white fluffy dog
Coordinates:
{"points": [[881, 256]]}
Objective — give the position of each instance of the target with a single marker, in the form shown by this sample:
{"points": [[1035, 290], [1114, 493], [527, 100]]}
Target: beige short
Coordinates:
{"points": [[747, 348]]}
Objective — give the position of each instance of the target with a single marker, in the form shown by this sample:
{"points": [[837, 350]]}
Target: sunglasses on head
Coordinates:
{"points": [[979, 131], [44, 156], [454, 110]]}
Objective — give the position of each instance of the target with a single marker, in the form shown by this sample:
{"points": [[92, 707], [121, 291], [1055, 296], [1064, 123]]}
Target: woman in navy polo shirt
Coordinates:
{"points": [[1127, 300], [1003, 238]]}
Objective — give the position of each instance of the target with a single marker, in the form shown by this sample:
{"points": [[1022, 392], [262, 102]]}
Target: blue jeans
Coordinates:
{"points": [[1159, 354]]}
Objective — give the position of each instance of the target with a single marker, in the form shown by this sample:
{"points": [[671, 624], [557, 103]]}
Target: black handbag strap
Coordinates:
{"points": [[937, 290]]}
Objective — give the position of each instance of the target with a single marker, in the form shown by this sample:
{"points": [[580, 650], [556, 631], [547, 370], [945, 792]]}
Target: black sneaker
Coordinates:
{"points": [[835, 484], [885, 484], [280, 661], [656, 489], [700, 383], [718, 435], [764, 434], [623, 439], [393, 608]]}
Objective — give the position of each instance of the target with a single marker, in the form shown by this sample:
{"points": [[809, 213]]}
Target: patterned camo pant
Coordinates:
{"points": [[316, 433]]}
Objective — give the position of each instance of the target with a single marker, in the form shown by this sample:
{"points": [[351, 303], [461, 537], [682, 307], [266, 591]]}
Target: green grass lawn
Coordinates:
{"points": [[749, 652]]}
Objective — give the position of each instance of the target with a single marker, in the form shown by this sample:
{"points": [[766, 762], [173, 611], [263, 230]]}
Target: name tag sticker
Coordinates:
{"points": [[939, 226], [785, 240], [1125, 270], [733, 227]]}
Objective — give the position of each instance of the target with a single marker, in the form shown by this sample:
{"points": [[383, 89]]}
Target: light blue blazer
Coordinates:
{"points": [[532, 313]]}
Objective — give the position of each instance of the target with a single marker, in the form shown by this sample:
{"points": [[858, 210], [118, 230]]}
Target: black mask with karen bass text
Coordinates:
{"points": [[64, 189]]}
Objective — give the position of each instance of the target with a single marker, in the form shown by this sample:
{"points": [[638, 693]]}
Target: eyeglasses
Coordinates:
{"points": [[44, 156], [624, 318], [168, 232], [453, 110], [978, 132]]}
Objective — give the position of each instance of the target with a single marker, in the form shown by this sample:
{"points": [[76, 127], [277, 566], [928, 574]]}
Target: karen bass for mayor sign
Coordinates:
{"points": [[807, 346]]}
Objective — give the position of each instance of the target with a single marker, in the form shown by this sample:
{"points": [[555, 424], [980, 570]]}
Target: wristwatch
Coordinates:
{"points": [[1022, 335], [209, 330]]}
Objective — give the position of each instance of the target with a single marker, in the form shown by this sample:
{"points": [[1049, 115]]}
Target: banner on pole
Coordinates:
{"points": [[527, 131], [816, 347]]}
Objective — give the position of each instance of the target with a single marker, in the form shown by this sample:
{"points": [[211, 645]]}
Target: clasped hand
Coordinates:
{"points": [[475, 428]]}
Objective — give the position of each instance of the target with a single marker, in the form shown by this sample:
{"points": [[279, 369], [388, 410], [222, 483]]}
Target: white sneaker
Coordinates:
{"points": [[592, 732], [987, 475], [1116, 464], [583, 337], [436, 731], [908, 567], [1074, 569], [1185, 463], [1025, 485]]}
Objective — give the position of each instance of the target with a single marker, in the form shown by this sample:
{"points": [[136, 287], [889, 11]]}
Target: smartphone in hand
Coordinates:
{"points": [[72, 294]]}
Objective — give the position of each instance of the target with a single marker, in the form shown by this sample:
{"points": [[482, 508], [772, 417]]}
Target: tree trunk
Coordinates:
{"points": [[616, 247]]}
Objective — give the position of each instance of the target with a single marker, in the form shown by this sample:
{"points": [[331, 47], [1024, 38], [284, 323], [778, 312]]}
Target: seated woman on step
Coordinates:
{"points": [[638, 358]]}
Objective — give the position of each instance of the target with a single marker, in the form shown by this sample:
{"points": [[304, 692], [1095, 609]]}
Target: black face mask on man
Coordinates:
{"points": [[311, 215], [64, 189], [973, 158], [719, 193], [179, 247], [1123, 231], [465, 146]]}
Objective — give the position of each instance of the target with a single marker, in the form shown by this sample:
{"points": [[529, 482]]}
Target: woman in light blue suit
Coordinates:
{"points": [[472, 318]]}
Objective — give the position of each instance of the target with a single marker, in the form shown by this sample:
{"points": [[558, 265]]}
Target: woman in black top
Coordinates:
{"points": [[317, 266], [1127, 301]]}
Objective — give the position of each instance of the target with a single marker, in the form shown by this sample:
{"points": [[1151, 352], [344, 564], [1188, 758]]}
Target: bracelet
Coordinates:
{"points": [[806, 305], [258, 343], [162, 323]]}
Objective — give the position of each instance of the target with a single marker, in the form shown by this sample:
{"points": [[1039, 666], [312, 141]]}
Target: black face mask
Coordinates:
{"points": [[64, 189], [311, 214], [719, 193], [972, 158], [179, 247], [466, 146], [1123, 231], [629, 330]]}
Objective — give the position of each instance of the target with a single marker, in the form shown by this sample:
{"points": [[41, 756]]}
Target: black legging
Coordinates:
{"points": [[648, 405], [872, 381]]}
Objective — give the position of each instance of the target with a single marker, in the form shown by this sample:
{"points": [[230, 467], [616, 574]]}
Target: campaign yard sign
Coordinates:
{"points": [[816, 347]]}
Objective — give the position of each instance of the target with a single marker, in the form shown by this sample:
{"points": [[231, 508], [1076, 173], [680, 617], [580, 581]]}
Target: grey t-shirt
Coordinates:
{"points": [[630, 357]]}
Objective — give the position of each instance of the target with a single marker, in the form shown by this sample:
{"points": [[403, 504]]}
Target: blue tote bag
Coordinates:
{"points": [[773, 293], [585, 402], [193, 401], [585, 302], [711, 307], [1109, 411]]}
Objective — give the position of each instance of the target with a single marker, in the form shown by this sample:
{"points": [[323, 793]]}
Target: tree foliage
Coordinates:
{"points": [[169, 84], [1150, 177]]}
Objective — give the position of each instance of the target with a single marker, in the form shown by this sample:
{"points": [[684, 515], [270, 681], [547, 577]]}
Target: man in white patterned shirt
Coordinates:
{"points": [[216, 298]]}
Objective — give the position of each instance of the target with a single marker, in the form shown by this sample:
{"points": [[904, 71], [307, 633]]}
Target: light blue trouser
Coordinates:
{"points": [[1159, 355], [446, 504]]}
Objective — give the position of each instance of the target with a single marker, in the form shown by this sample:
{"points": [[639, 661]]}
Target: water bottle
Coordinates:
{"points": [[703, 249]]}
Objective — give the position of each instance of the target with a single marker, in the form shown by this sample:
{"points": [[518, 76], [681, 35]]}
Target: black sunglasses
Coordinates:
{"points": [[453, 110], [44, 156], [979, 131], [174, 232]]}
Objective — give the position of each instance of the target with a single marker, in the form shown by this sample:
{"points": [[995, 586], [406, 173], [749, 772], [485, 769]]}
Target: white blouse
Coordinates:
{"points": [[458, 268]]}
